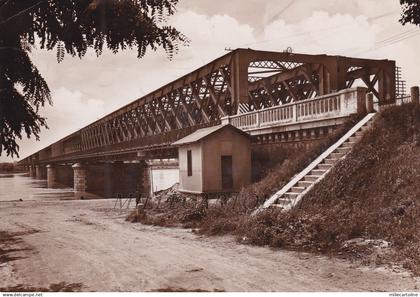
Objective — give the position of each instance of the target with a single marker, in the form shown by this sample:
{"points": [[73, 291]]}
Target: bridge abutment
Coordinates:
{"points": [[273, 148]]}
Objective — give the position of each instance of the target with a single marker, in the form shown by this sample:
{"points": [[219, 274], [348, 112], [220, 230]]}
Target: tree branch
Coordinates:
{"points": [[21, 12]]}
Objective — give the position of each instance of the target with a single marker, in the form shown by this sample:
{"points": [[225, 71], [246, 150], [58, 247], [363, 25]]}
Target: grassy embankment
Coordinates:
{"points": [[369, 201]]}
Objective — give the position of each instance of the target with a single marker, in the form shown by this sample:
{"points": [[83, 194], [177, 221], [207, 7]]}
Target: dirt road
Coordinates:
{"points": [[85, 245]]}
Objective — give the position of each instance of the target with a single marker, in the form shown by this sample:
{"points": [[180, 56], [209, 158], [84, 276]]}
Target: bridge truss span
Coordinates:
{"points": [[241, 81]]}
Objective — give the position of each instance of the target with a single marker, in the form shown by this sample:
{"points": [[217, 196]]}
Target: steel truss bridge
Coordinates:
{"points": [[241, 81]]}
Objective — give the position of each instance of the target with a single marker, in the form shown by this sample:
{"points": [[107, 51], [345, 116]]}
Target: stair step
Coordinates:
{"points": [[358, 134], [330, 161], [318, 171], [279, 205], [354, 138], [337, 155], [297, 189], [311, 177], [291, 195], [348, 144], [304, 183], [282, 201], [324, 166], [344, 150]]}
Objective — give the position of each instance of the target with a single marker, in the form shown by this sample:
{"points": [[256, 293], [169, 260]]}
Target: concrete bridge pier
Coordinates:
{"points": [[40, 172], [146, 180], [51, 176], [80, 180], [32, 172]]}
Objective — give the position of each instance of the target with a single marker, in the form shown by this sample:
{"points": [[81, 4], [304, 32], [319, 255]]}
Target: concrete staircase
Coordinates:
{"points": [[292, 193]]}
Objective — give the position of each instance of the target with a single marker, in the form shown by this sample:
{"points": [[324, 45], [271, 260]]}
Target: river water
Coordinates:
{"points": [[17, 186], [20, 186]]}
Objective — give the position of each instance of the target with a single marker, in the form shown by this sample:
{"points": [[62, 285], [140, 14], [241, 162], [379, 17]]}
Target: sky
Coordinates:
{"points": [[84, 90]]}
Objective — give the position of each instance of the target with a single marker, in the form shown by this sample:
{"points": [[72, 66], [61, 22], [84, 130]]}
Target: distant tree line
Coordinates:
{"points": [[8, 167]]}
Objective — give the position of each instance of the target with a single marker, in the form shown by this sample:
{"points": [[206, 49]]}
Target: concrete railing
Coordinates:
{"points": [[340, 104], [412, 98]]}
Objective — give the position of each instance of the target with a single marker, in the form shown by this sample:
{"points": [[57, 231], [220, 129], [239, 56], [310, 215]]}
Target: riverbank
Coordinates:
{"points": [[88, 246]]}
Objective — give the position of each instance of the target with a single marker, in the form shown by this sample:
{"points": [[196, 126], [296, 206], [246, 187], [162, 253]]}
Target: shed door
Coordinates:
{"points": [[227, 177]]}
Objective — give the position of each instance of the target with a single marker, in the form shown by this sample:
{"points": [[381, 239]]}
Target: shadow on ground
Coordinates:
{"points": [[59, 287]]}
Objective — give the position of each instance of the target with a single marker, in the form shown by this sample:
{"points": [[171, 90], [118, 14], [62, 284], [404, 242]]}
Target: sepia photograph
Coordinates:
{"points": [[210, 147]]}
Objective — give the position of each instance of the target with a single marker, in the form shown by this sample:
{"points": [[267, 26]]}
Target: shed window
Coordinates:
{"points": [[189, 163]]}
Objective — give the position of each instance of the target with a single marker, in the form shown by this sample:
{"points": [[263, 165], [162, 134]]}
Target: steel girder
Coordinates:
{"points": [[270, 78], [240, 81]]}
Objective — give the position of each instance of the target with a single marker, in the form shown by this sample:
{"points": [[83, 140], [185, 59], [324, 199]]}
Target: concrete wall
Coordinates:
{"points": [[192, 183], [270, 149], [222, 143]]}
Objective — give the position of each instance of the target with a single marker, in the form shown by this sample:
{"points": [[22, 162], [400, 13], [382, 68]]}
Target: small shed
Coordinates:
{"points": [[214, 159]]}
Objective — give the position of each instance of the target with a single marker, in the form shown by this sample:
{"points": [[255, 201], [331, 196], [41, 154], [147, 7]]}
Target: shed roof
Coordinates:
{"points": [[203, 133]]}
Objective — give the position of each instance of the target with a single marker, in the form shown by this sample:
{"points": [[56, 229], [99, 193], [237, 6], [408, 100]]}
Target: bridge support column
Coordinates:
{"points": [[40, 172], [80, 179], [32, 171], [51, 176], [415, 95], [146, 180]]}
